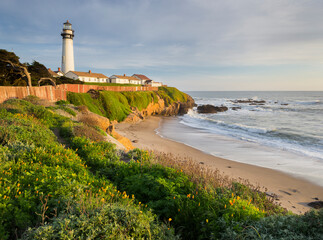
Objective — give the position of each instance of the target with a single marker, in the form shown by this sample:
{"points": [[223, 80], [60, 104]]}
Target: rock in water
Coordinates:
{"points": [[250, 101], [211, 109], [316, 204]]}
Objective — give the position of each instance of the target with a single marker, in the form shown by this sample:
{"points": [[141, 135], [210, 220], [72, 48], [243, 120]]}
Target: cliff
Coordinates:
{"points": [[160, 108], [125, 106], [104, 109]]}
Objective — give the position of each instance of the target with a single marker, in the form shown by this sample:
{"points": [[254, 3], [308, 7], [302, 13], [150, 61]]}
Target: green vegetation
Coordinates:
{"points": [[10, 77], [117, 105], [86, 191], [43, 182], [140, 100], [113, 84], [37, 71], [171, 94], [66, 80]]}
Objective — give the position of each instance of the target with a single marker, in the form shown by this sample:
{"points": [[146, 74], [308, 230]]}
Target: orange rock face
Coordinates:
{"points": [[158, 108]]}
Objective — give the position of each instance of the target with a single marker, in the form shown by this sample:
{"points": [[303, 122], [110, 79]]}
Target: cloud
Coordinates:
{"points": [[146, 35]]}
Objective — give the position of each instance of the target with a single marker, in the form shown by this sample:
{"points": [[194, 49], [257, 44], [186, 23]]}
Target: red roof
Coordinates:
{"points": [[141, 76], [125, 77], [52, 72], [89, 74]]}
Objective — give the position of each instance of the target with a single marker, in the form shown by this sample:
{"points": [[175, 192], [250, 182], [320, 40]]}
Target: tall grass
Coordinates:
{"points": [[171, 95], [48, 191], [50, 188], [85, 99], [140, 100], [117, 105]]}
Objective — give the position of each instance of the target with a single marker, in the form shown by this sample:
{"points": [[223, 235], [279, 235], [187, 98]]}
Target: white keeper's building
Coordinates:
{"points": [[123, 79], [88, 76]]}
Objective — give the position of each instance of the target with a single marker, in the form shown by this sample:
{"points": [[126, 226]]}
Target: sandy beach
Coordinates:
{"points": [[293, 193]]}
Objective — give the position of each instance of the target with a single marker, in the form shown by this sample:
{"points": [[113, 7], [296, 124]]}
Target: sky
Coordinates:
{"points": [[201, 45]]}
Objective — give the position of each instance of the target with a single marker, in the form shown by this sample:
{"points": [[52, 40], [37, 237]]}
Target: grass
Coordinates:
{"points": [[48, 191], [171, 94], [117, 105], [79, 99], [114, 84], [43, 184], [140, 100]]}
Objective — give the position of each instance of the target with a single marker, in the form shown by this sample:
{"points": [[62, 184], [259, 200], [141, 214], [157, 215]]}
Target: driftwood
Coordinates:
{"points": [[21, 69], [49, 79]]}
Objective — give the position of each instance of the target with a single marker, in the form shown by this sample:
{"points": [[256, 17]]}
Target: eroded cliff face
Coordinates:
{"points": [[160, 108]]}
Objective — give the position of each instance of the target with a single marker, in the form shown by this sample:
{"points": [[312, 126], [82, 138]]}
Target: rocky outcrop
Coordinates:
{"points": [[160, 108], [250, 101], [211, 109], [316, 204], [185, 106], [154, 108], [93, 119]]}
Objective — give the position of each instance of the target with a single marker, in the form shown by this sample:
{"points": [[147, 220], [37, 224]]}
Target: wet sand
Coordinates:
{"points": [[293, 193]]}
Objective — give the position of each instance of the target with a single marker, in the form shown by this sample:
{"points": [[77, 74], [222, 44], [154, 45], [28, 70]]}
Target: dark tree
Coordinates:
{"points": [[12, 72], [66, 80], [37, 71]]}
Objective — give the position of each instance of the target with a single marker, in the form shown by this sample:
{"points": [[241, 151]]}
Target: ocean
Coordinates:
{"points": [[277, 130]]}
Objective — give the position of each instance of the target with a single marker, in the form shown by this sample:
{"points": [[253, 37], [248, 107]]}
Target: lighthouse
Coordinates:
{"points": [[67, 48]]}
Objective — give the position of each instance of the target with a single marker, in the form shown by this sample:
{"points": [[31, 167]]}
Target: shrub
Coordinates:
{"points": [[45, 116], [290, 227], [68, 110], [24, 128], [111, 221], [88, 132], [62, 102], [97, 155], [31, 174]]}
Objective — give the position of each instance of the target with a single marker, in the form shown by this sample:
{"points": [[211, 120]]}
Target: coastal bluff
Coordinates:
{"points": [[105, 109]]}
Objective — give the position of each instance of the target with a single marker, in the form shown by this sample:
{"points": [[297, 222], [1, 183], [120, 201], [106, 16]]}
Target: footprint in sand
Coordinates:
{"points": [[285, 192]]}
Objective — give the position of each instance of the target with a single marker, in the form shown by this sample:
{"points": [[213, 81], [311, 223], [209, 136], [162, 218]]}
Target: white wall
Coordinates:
{"points": [[114, 79], [135, 82], [67, 55], [71, 75]]}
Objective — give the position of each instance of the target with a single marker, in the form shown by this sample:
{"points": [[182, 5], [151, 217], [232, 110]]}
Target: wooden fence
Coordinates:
{"points": [[57, 93]]}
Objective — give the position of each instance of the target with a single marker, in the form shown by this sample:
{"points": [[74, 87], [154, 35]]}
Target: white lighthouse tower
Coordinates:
{"points": [[67, 50]]}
